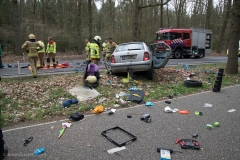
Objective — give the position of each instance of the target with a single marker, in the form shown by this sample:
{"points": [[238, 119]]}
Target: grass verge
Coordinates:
{"points": [[28, 99]]}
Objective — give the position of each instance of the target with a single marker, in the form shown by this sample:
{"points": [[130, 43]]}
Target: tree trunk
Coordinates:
{"points": [[232, 63], [208, 14], [90, 19], [135, 24], [79, 25], [221, 38], [17, 27], [161, 20], [34, 15]]}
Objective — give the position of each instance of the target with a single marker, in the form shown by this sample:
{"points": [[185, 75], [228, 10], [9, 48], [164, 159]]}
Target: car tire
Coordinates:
{"points": [[192, 83], [150, 73], [178, 54]]}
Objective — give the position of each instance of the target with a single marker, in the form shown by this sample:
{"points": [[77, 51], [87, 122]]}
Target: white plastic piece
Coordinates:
{"points": [[113, 150], [231, 110], [207, 105], [169, 110], [113, 110], [67, 124], [165, 155]]}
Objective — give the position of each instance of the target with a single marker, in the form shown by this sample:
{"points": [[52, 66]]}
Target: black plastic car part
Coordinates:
{"points": [[128, 134], [189, 143]]}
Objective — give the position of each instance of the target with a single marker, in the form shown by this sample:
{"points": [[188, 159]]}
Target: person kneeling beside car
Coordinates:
{"points": [[91, 76]]}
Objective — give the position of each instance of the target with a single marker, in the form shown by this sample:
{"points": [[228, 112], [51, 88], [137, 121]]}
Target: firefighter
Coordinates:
{"points": [[51, 52], [111, 46], [95, 49], [104, 46], [30, 47], [40, 62], [87, 48]]}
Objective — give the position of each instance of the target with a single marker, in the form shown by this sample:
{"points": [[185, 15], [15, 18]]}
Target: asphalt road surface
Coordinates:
{"points": [[78, 66], [83, 140]]}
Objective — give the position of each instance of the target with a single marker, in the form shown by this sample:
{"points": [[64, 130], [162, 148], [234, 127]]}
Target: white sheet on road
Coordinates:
{"points": [[83, 93]]}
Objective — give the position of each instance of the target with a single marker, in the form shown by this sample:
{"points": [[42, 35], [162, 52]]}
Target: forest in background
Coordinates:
{"points": [[70, 22]]}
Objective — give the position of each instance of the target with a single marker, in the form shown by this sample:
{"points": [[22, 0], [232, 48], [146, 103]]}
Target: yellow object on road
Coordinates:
{"points": [[136, 95], [138, 82], [98, 109]]}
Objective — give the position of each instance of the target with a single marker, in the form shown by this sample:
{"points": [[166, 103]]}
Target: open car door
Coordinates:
{"points": [[161, 54]]}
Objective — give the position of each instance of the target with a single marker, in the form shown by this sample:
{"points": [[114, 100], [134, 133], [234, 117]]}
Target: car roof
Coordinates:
{"points": [[131, 43]]}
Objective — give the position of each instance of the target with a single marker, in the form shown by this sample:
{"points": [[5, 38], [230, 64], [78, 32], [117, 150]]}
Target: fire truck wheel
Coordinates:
{"points": [[192, 83], [178, 54]]}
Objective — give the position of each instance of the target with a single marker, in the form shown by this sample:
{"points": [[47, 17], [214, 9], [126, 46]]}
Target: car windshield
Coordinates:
{"points": [[129, 47], [163, 36]]}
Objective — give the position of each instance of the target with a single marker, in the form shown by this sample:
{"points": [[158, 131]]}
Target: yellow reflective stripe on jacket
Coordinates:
{"points": [[94, 50], [42, 44], [51, 48]]}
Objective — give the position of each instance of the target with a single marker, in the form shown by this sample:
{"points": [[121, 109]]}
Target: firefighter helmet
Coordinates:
{"points": [[97, 38], [31, 36], [91, 79]]}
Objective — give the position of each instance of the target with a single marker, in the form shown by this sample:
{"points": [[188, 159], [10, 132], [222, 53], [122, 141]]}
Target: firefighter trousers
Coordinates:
{"points": [[33, 64], [40, 59], [49, 56]]}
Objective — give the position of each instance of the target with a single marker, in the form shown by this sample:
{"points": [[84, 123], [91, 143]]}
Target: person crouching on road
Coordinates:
{"points": [[51, 52], [41, 53], [95, 50], [30, 47]]}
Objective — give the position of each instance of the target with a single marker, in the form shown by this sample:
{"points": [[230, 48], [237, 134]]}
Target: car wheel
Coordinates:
{"points": [[192, 83], [150, 73], [178, 54]]}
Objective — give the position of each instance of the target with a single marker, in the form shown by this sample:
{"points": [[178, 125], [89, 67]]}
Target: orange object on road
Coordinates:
{"points": [[183, 111]]}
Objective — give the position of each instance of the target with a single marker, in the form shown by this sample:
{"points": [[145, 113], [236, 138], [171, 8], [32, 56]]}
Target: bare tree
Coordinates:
{"points": [[208, 14], [137, 8], [232, 63], [224, 26], [178, 7], [79, 25], [90, 19], [16, 26]]}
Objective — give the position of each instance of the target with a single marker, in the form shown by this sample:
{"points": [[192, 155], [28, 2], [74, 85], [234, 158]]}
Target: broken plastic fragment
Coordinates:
{"points": [[231, 110], [110, 151], [149, 104], [183, 111], [169, 110], [207, 105], [67, 124]]}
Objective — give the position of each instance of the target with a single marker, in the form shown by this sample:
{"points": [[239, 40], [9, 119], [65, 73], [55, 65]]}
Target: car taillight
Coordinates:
{"points": [[113, 59], [146, 56]]}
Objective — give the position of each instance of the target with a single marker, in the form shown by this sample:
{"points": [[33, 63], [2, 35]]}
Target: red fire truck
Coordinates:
{"points": [[186, 42]]}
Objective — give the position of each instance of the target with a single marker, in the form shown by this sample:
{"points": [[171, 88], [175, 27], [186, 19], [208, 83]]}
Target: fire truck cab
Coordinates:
{"points": [[186, 42]]}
